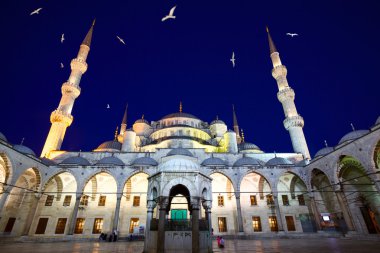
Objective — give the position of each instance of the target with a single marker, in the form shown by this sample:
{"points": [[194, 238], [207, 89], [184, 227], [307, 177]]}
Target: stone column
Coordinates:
{"points": [[164, 201], [315, 213], [344, 207], [32, 212], [117, 211], [207, 206], [239, 214], [5, 196], [195, 225], [151, 204], [74, 214], [280, 225]]}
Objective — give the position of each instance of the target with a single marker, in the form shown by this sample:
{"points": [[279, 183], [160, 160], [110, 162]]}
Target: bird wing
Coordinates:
{"points": [[39, 9], [118, 37], [233, 55], [172, 11], [164, 18]]}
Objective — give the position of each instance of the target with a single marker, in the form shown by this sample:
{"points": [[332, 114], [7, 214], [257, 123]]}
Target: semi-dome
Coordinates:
{"points": [[324, 151], [179, 115], [114, 144], [247, 161], [353, 135], [2, 137], [213, 162], [217, 121], [180, 151], [178, 164], [110, 160], [76, 160], [278, 161], [144, 161], [24, 149], [247, 145], [48, 162]]}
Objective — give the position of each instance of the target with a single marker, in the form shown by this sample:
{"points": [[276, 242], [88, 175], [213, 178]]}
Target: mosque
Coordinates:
{"points": [[179, 179]]}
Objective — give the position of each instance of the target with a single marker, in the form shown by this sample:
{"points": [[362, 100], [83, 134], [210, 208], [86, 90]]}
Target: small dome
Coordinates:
{"points": [[76, 160], [213, 162], [247, 161], [179, 115], [180, 151], [2, 137], [278, 161], [144, 161], [217, 121], [353, 135], [303, 163], [48, 162], [114, 144], [24, 149], [247, 146], [178, 164], [142, 121], [110, 160], [324, 151]]}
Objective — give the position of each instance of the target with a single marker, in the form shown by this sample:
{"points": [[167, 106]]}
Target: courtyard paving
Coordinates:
{"points": [[324, 245]]}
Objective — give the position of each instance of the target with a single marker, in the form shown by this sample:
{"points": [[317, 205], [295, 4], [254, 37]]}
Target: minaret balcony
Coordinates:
{"points": [[279, 71], [58, 116], [286, 94], [70, 89], [78, 64], [294, 121]]}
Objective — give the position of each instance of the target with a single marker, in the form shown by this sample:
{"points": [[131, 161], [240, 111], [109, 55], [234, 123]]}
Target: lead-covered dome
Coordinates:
{"points": [[180, 151], [110, 145], [48, 162], [217, 121], [144, 161], [110, 160], [353, 135], [213, 162], [178, 164], [324, 151], [248, 146], [24, 149], [179, 115], [76, 160], [247, 161], [278, 161]]}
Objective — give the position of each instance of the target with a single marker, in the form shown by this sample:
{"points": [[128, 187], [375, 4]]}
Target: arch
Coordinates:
{"points": [[184, 181], [376, 155], [179, 189], [323, 191], [7, 165], [224, 174], [296, 180], [89, 177], [130, 185], [94, 186], [59, 183], [349, 162]]}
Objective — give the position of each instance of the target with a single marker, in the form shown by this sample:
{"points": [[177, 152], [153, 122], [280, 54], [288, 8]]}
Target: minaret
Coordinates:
{"points": [[123, 126], [236, 126], [61, 118], [293, 121]]}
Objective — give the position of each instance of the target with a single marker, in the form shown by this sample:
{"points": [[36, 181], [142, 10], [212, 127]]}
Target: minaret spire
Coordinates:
{"points": [[293, 121], [236, 125], [61, 118], [180, 106], [123, 126]]}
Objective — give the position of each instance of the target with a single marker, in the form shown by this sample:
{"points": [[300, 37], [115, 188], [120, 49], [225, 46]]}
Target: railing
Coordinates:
{"points": [[178, 225]]}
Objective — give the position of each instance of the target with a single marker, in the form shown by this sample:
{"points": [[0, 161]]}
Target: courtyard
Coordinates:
{"points": [[334, 245]]}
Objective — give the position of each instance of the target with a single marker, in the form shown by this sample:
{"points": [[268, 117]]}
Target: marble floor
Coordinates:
{"points": [[324, 245]]}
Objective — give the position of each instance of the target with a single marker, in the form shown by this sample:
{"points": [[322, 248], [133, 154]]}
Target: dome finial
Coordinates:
{"points": [[326, 144], [142, 116], [180, 106], [275, 155], [217, 117], [22, 140], [116, 133], [352, 126]]}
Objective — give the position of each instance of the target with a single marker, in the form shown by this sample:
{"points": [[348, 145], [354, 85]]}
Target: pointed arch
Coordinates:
{"points": [[94, 186], [376, 155], [7, 165]]}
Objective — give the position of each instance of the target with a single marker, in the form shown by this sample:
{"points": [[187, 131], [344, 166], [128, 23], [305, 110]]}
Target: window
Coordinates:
{"points": [[49, 200], [102, 201], [79, 226], [285, 200], [256, 224], [253, 200], [61, 224], [84, 200], [301, 200], [98, 225], [222, 224], [136, 201], [290, 223], [270, 200], [220, 200], [9, 226], [134, 223], [67, 200], [41, 226], [273, 223]]}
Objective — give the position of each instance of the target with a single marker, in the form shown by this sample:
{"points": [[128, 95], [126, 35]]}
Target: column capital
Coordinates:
{"points": [[151, 204], [207, 204], [163, 202]]}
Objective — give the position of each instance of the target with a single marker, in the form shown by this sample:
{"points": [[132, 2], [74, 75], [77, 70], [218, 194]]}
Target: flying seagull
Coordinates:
{"points": [[233, 59], [62, 66], [35, 11], [171, 12], [292, 34], [62, 37], [120, 39], [108, 106]]}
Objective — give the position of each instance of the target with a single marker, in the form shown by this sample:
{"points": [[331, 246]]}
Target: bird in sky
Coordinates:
{"points": [[292, 34], [108, 106], [37, 11], [62, 37], [171, 12], [233, 59], [120, 39], [62, 66]]}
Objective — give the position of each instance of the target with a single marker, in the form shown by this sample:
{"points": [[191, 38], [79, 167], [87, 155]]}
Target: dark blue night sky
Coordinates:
{"points": [[333, 66]]}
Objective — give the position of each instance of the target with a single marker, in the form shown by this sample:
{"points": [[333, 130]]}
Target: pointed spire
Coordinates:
{"points": [[236, 126], [116, 133], [272, 47], [123, 126], [87, 39], [180, 106], [234, 116]]}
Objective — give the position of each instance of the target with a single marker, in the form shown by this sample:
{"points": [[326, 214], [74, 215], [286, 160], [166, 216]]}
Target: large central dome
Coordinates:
{"points": [[180, 115]]}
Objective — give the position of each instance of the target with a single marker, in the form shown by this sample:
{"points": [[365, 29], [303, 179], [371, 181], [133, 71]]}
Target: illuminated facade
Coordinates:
{"points": [[180, 167]]}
